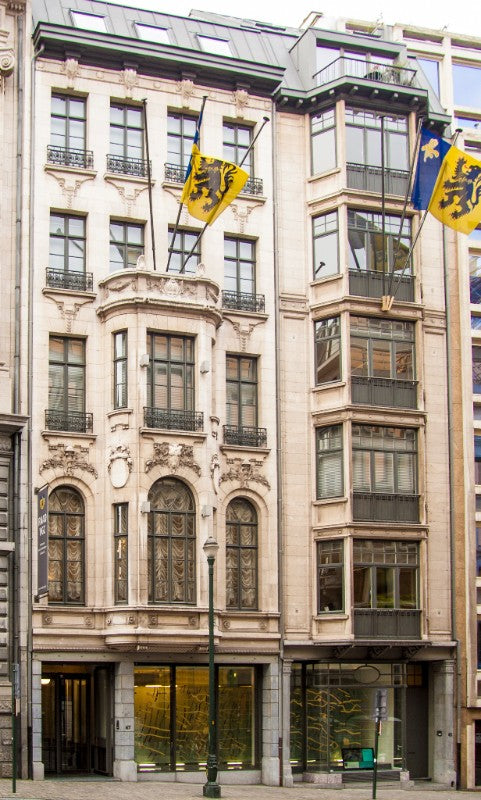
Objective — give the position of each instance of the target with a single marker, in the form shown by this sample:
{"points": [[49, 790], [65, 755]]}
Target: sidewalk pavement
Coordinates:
{"points": [[108, 789]]}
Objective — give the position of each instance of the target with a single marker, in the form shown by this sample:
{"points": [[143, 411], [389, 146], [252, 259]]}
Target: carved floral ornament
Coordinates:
{"points": [[68, 459], [243, 472], [173, 456], [119, 465]]}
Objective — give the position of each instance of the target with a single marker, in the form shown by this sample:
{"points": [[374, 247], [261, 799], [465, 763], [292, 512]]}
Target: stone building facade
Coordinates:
{"points": [[281, 386]]}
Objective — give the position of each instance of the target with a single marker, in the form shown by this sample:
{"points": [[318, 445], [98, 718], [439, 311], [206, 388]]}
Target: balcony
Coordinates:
{"points": [[387, 623], [244, 436], [371, 283], [166, 419], [137, 167], [70, 157], [243, 301], [175, 174], [376, 507], [359, 69], [383, 392], [369, 179], [72, 421], [75, 281]]}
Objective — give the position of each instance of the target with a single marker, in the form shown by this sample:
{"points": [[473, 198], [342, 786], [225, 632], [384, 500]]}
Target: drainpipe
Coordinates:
{"points": [[280, 547], [452, 526]]}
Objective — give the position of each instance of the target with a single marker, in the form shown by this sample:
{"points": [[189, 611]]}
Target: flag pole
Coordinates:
{"points": [[406, 196], [196, 139], [149, 178], [423, 220], [264, 122]]}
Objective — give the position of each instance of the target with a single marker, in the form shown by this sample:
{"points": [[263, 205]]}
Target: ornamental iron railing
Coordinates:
{"points": [[70, 157], [176, 174], [73, 421], [245, 436], [138, 167], [167, 419], [243, 301], [76, 281]]}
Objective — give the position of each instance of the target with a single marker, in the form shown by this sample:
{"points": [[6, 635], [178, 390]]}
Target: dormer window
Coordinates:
{"points": [[89, 22], [220, 47], [149, 33]]}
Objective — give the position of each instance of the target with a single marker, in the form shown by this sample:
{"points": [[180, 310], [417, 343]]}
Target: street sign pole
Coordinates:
{"points": [[379, 715]]}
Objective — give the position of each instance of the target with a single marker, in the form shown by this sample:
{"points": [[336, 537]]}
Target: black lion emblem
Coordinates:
{"points": [[212, 180], [463, 190]]}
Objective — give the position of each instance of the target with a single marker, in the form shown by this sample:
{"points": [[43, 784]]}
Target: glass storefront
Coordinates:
{"points": [[171, 717], [332, 714]]}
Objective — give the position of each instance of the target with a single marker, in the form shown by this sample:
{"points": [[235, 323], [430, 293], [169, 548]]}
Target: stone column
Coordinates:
{"points": [[38, 770], [270, 725], [287, 779], [125, 768], [443, 723]]}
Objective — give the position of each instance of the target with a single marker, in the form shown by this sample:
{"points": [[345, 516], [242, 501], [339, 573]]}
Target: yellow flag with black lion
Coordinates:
{"points": [[211, 185]]}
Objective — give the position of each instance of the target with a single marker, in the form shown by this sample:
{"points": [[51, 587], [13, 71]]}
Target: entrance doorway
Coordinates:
{"points": [[477, 752], [77, 719]]}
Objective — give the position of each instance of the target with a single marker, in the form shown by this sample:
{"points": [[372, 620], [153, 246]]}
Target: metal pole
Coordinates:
{"points": [[149, 178], [211, 787], [14, 679], [374, 772]]}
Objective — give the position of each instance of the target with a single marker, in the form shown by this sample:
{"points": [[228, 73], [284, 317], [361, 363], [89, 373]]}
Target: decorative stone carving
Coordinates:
{"points": [[47, 619], [152, 621], [241, 214], [200, 270], [130, 79], [187, 90], [244, 471], [176, 288], [129, 193], [119, 286], [215, 471], [194, 621], [173, 456], [214, 426], [119, 465], [69, 459], [263, 625], [243, 330], [69, 184], [5, 444], [67, 312], [241, 100], [89, 621], [71, 69], [226, 624]]}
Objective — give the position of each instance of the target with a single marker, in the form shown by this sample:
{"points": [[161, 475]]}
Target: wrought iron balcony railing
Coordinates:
{"points": [[245, 436], [70, 157], [383, 392], [369, 179], [370, 283], [358, 68], [138, 167], [74, 421], [387, 623], [373, 506], [77, 281], [173, 420], [176, 174], [243, 301]]}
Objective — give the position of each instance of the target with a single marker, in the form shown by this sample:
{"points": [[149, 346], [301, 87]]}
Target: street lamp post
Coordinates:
{"points": [[211, 787]]}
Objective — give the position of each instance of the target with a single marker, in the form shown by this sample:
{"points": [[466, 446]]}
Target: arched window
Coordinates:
{"points": [[241, 555], [171, 542], [66, 546]]}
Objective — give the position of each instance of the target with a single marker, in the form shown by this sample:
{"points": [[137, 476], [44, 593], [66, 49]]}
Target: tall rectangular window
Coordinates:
{"points": [[66, 385], [170, 375], [430, 67], [467, 85], [382, 348], [327, 342], [67, 243], [239, 265], [329, 462], [330, 576], [476, 355], [477, 460], [68, 122], [121, 582], [241, 372], [363, 139], [126, 245], [120, 369], [237, 140], [126, 153], [323, 141], [180, 137], [386, 574], [365, 234], [325, 234], [185, 242], [384, 460]]}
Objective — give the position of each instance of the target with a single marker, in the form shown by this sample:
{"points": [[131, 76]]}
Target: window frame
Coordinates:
{"points": [[120, 363], [368, 140], [121, 552], [332, 328], [236, 386], [70, 119], [398, 563], [188, 370], [124, 246], [372, 484], [323, 129], [69, 239], [181, 249], [234, 150], [64, 540], [325, 226], [186, 140], [372, 226], [67, 366], [236, 550], [333, 451], [240, 263], [370, 336], [127, 130], [328, 568]]}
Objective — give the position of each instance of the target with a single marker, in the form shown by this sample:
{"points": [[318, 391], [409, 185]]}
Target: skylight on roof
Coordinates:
{"points": [[150, 33], [220, 47], [89, 22]]}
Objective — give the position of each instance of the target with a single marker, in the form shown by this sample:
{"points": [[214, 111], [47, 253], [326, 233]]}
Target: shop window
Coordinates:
{"points": [[171, 543], [66, 542], [241, 555]]}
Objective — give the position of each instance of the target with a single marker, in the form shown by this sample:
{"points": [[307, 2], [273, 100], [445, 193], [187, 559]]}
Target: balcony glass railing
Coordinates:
{"points": [[383, 392], [387, 623], [370, 283], [369, 179], [358, 68]]}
